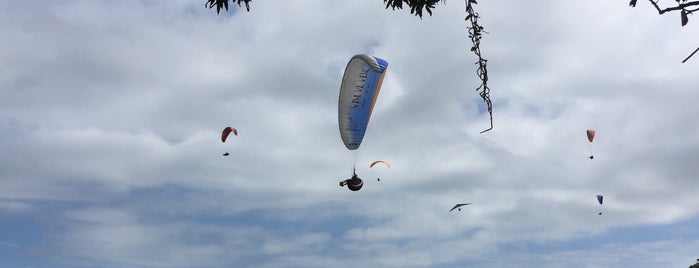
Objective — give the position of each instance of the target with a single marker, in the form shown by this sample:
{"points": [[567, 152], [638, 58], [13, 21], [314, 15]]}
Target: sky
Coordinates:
{"points": [[111, 114]]}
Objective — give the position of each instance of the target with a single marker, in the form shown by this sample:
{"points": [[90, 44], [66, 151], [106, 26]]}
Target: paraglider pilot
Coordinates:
{"points": [[354, 183]]}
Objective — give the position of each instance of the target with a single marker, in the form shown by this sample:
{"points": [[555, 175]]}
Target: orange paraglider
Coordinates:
{"points": [[380, 161], [591, 137]]}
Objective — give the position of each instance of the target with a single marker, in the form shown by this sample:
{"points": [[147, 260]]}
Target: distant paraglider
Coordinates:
{"points": [[458, 206], [224, 135], [591, 137], [359, 90], [599, 200], [227, 131], [382, 162]]}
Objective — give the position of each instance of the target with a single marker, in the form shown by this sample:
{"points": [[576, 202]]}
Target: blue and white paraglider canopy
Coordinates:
{"points": [[360, 87]]}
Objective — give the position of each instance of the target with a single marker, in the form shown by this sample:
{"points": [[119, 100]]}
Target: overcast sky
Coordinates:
{"points": [[111, 114]]}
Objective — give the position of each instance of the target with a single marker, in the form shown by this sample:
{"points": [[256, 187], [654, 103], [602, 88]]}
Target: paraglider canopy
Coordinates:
{"points": [[360, 87], [380, 161], [600, 198], [590, 135], [459, 206], [227, 131]]}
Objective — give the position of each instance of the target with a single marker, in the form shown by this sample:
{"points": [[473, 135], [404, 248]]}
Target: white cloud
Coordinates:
{"points": [[111, 114]]}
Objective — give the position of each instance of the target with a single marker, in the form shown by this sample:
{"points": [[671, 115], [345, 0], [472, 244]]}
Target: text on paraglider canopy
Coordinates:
{"points": [[359, 87]]}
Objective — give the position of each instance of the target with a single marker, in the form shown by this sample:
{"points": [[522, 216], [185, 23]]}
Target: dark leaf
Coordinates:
{"points": [[632, 3], [683, 15], [223, 4], [416, 6]]}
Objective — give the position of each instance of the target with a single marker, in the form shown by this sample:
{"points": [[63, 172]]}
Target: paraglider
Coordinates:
{"points": [[379, 161], [591, 137], [599, 200], [354, 183], [458, 206], [359, 90], [224, 135], [227, 131]]}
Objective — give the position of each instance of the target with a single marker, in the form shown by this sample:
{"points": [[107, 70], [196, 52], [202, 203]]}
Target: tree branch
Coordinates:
{"points": [[475, 33], [678, 7], [682, 7]]}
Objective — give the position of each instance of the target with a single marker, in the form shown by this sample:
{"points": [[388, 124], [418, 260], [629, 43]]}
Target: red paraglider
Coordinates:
{"points": [[591, 137], [227, 131], [224, 135]]}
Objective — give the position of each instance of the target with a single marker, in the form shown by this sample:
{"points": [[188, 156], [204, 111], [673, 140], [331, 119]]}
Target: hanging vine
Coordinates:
{"points": [[475, 32]]}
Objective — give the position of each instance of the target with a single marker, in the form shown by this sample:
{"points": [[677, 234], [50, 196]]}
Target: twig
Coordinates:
{"points": [[690, 55]]}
